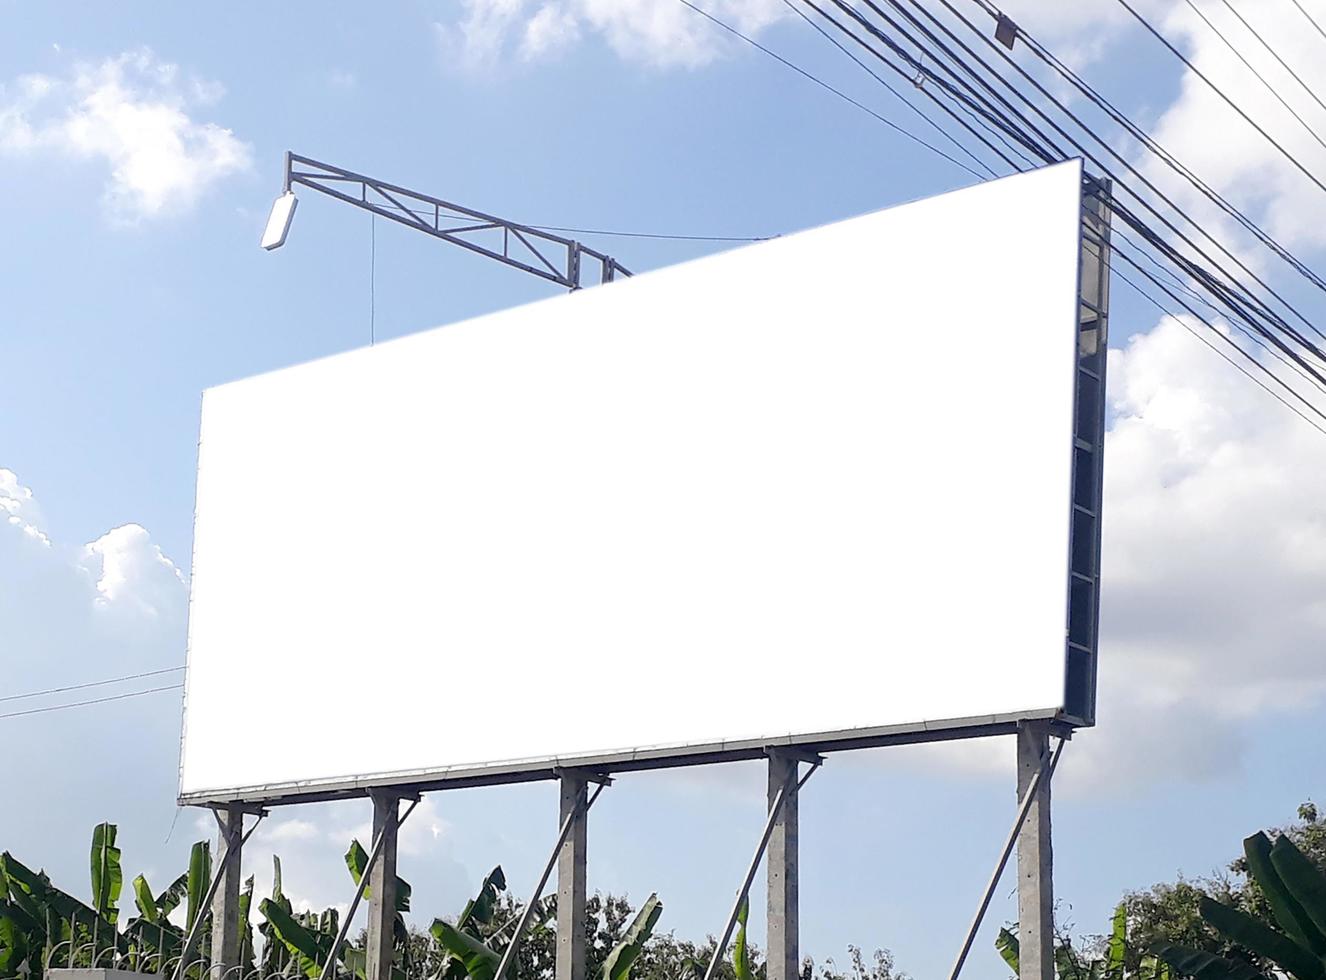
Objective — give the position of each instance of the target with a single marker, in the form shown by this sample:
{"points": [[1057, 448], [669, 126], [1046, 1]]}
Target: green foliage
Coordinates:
{"points": [[740, 955], [618, 964], [107, 878], [199, 877], [1293, 891]]}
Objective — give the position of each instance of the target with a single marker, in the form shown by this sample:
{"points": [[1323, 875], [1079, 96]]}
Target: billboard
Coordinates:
{"points": [[818, 488]]}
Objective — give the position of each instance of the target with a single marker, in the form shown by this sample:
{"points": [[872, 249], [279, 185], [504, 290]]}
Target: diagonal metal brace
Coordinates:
{"points": [[744, 890], [222, 867], [1043, 773], [510, 952]]}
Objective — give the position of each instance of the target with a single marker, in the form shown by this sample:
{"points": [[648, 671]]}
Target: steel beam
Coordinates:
{"points": [[571, 879], [1035, 857]]}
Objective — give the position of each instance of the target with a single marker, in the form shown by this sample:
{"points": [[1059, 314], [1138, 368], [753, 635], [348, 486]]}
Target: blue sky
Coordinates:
{"points": [[140, 154]]}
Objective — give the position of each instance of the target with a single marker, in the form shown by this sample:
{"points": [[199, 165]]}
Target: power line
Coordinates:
{"points": [[1221, 354], [1311, 19], [1248, 64], [80, 704], [1150, 143], [1241, 303], [1217, 90], [1244, 295], [1293, 74], [882, 81], [80, 687], [825, 85]]}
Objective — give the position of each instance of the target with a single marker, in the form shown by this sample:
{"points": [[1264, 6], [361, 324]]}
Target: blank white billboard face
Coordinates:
{"points": [[820, 484]]}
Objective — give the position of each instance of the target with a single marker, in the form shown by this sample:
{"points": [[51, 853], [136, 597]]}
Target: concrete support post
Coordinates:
{"points": [[382, 888], [571, 881], [225, 901], [1035, 860], [784, 954]]}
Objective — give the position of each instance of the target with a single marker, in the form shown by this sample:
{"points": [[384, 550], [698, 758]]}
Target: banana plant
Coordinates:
{"points": [[107, 877], [1070, 965], [623, 956], [740, 950], [1294, 938]]}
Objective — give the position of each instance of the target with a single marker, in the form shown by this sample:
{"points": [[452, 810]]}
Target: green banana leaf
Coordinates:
{"points": [[1117, 950], [1248, 932], [356, 859], [1286, 910], [1007, 945], [245, 926], [623, 956], [307, 947], [107, 876], [1304, 880], [147, 905], [13, 940], [200, 877], [1202, 965], [740, 955], [479, 910], [479, 961], [169, 900]]}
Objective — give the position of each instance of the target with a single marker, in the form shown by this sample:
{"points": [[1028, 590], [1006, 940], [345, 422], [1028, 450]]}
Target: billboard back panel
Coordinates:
{"points": [[817, 484]]}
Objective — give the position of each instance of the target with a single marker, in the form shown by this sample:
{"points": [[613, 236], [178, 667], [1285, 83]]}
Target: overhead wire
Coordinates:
{"points": [[825, 85], [101, 683], [884, 82], [1245, 295], [1248, 64], [1238, 300], [1151, 144], [1274, 54], [1220, 92], [1311, 20], [81, 704]]}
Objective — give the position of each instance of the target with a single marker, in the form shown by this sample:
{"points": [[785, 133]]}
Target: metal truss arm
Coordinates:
{"points": [[551, 257]]}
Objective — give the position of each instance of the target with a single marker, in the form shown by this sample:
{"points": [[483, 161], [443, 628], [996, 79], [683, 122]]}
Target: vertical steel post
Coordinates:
{"points": [[225, 903], [382, 887], [1035, 857], [784, 956], [571, 880]]}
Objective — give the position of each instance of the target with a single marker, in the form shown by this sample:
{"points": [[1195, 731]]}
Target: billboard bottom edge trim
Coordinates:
{"points": [[531, 770]]}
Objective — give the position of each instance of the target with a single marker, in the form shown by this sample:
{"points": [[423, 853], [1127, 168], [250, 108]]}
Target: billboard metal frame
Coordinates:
{"points": [[1030, 833]]}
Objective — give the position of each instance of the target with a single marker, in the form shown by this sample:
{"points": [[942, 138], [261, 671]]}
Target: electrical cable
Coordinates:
{"points": [[823, 84], [1248, 64], [882, 81], [1225, 357], [1281, 61], [80, 687], [1151, 144], [1216, 89], [80, 704], [1311, 19], [1277, 321], [1231, 294]]}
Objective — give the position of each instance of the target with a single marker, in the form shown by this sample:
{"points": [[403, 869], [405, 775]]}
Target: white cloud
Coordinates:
{"points": [[1214, 579], [660, 33], [133, 114], [129, 568], [18, 508]]}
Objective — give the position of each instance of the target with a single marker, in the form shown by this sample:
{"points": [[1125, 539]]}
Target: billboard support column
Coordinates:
{"points": [[571, 879], [225, 903], [784, 956], [1035, 856], [381, 876]]}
